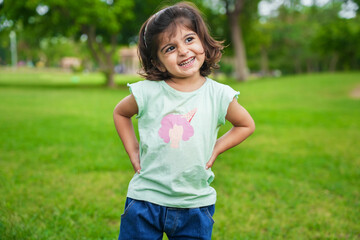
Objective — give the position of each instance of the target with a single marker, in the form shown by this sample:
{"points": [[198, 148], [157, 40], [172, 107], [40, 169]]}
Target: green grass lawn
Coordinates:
{"points": [[64, 172]]}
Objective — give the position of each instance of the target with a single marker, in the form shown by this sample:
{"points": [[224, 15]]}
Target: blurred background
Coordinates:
{"points": [[264, 38], [64, 66]]}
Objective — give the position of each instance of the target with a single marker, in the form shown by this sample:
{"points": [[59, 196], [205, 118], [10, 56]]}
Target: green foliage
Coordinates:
{"points": [[64, 172], [69, 17], [100, 20], [143, 9], [304, 39], [248, 18], [55, 48], [340, 38], [228, 69]]}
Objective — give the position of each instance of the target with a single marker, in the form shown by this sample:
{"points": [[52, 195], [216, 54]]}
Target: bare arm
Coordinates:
{"points": [[123, 112], [243, 127]]}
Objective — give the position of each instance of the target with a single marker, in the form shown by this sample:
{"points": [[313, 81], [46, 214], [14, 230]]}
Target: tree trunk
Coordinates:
{"points": [[241, 68], [110, 78], [101, 56], [110, 82], [108, 70], [239, 47]]}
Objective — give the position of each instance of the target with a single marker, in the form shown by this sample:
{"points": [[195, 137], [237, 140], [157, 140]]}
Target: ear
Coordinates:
{"points": [[159, 65]]}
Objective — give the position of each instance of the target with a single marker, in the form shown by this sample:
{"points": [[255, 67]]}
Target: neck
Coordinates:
{"points": [[186, 84]]}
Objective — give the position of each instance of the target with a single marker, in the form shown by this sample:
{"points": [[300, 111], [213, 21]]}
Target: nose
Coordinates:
{"points": [[182, 49]]}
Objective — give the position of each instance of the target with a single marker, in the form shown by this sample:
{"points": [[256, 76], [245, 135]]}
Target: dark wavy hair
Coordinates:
{"points": [[166, 20]]}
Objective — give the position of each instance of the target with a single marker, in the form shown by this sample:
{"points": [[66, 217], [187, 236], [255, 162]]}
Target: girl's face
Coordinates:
{"points": [[182, 54]]}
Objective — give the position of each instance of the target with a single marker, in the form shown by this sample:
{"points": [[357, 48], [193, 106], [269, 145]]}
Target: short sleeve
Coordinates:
{"points": [[226, 97], [136, 90]]}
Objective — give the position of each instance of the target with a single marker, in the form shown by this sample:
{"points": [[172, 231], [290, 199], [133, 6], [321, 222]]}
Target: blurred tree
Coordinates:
{"points": [[143, 10], [234, 8], [291, 38], [243, 14], [337, 41], [100, 21], [310, 38], [55, 48], [4, 40], [258, 39]]}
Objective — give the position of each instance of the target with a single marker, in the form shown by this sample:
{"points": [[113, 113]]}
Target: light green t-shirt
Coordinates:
{"points": [[178, 131]]}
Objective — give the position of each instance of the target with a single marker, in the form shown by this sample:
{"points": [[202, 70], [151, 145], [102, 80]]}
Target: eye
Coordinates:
{"points": [[169, 49], [189, 39]]}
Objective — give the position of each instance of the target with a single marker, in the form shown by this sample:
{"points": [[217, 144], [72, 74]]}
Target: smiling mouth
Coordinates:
{"points": [[187, 62]]}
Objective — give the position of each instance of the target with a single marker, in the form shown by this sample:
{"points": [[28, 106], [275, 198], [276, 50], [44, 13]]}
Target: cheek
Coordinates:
{"points": [[201, 52], [200, 49], [169, 62]]}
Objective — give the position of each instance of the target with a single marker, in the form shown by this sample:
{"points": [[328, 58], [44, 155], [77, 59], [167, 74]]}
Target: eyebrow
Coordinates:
{"points": [[187, 35]]}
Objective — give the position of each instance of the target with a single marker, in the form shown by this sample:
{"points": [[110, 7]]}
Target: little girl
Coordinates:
{"points": [[179, 112]]}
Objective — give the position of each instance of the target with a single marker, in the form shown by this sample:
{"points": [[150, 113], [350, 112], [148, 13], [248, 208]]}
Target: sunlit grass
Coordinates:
{"points": [[64, 172]]}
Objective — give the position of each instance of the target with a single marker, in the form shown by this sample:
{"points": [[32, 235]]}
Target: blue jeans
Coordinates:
{"points": [[147, 221]]}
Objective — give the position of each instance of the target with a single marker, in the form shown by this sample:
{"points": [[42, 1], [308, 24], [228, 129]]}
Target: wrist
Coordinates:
{"points": [[134, 154], [218, 148]]}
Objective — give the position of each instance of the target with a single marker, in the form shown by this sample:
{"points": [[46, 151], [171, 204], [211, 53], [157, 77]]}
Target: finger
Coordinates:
{"points": [[137, 167], [209, 164]]}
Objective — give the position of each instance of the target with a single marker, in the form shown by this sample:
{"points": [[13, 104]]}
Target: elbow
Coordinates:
{"points": [[252, 127], [115, 118], [115, 113]]}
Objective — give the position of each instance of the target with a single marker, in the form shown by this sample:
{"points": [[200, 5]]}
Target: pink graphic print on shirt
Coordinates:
{"points": [[177, 127]]}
